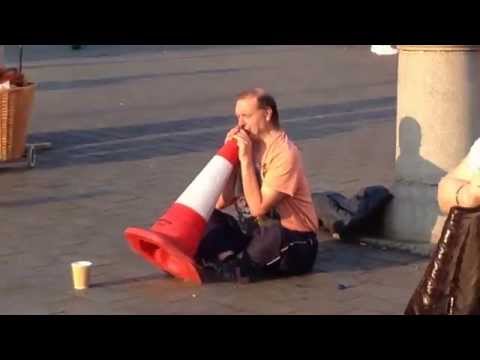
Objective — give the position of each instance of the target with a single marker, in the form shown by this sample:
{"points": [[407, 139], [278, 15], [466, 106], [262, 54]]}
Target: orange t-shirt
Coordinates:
{"points": [[282, 170]]}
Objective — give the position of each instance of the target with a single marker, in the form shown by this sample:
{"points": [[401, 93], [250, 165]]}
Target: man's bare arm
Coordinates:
{"points": [[227, 197], [260, 200]]}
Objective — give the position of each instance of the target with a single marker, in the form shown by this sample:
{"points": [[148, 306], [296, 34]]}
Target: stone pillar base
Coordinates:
{"points": [[438, 111]]}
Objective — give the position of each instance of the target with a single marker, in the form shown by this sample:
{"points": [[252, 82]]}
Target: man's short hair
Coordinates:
{"points": [[264, 101]]}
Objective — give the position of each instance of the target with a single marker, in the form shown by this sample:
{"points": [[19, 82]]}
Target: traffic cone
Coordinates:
{"points": [[172, 242]]}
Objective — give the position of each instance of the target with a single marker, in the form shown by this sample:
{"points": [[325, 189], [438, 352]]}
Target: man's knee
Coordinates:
{"points": [[300, 258]]}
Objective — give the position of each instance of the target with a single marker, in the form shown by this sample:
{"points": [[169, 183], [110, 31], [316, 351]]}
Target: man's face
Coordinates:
{"points": [[250, 117]]}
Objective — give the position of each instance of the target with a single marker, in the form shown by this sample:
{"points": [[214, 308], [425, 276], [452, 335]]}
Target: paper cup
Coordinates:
{"points": [[81, 274]]}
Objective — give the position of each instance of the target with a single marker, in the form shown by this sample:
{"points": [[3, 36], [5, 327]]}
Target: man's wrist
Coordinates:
{"points": [[246, 162]]}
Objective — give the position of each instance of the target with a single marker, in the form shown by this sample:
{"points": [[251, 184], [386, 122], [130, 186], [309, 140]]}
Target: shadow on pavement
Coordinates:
{"points": [[334, 256], [133, 280], [175, 137], [341, 256], [64, 56], [89, 83], [39, 200]]}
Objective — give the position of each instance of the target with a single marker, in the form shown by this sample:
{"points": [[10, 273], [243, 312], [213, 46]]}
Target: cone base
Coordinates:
{"points": [[160, 251]]}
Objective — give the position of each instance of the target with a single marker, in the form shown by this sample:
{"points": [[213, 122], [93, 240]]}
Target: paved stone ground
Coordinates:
{"points": [[132, 126]]}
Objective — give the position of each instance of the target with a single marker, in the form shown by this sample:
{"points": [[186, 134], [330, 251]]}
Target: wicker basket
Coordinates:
{"points": [[15, 109]]}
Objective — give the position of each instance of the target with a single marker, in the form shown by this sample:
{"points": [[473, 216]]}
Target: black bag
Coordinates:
{"points": [[451, 283]]}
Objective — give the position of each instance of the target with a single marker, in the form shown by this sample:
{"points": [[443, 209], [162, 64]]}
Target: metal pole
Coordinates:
{"points": [[2, 54], [21, 58]]}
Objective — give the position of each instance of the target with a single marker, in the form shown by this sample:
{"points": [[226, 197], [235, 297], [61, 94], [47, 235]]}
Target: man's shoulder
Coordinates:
{"points": [[284, 145], [284, 150]]}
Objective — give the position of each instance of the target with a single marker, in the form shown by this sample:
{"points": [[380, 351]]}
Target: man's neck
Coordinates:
{"points": [[267, 138]]}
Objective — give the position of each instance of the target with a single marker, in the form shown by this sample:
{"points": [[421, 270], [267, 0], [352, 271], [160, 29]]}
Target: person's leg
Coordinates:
{"points": [[299, 252], [223, 237], [273, 251], [260, 259]]}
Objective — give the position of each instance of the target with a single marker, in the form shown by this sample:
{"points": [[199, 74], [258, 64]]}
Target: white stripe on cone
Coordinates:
{"points": [[203, 192]]}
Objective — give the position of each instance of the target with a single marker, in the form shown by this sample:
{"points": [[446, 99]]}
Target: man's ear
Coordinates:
{"points": [[268, 115]]}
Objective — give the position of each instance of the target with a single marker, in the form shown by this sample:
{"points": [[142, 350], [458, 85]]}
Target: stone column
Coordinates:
{"points": [[438, 119]]}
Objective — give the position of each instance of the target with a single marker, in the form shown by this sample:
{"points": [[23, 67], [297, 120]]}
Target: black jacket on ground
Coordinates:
{"points": [[348, 216]]}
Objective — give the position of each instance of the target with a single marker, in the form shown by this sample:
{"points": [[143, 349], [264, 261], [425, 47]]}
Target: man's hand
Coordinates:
{"points": [[244, 145], [231, 133]]}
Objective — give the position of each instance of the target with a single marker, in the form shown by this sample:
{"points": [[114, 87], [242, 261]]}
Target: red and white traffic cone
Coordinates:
{"points": [[172, 242]]}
